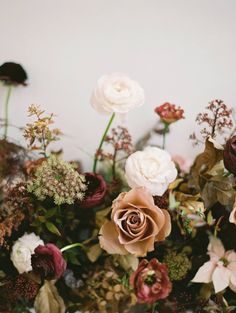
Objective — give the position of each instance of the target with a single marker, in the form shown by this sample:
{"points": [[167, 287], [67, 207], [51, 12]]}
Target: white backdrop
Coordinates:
{"points": [[181, 51]]}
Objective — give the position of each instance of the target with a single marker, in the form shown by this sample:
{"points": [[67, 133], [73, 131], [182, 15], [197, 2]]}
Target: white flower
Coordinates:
{"points": [[220, 269], [151, 168], [22, 251], [116, 93]]}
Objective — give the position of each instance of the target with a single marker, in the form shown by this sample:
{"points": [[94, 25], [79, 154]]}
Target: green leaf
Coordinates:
{"points": [[51, 212], [52, 228]]}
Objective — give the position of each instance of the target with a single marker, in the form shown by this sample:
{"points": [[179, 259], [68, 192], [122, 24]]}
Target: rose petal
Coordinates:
{"points": [[166, 229], [109, 239], [140, 248]]}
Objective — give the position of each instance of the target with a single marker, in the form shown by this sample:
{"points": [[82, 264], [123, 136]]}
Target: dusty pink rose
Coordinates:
{"points": [[95, 192], [151, 281], [136, 224], [48, 261], [169, 113]]}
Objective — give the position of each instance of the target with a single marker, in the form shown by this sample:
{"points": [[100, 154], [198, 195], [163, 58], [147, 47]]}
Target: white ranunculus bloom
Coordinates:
{"points": [[116, 93], [22, 251], [151, 168]]}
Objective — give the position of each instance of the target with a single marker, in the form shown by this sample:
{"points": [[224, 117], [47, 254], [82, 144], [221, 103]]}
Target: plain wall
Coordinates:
{"points": [[181, 51]]}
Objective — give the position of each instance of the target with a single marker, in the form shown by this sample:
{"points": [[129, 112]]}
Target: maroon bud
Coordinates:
{"points": [[96, 190], [230, 155], [48, 261], [13, 74]]}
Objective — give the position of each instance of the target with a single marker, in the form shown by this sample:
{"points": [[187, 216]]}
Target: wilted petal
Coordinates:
{"points": [[221, 278], [204, 274], [109, 239]]}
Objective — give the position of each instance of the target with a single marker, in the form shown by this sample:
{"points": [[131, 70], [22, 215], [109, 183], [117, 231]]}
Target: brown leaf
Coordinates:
{"points": [[94, 252], [48, 300], [101, 216], [205, 161]]}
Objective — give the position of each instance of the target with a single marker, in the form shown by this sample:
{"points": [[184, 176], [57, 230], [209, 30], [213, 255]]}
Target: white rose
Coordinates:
{"points": [[22, 251], [151, 168], [116, 93]]}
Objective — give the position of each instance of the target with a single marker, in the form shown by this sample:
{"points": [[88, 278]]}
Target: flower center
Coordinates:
{"points": [[225, 261], [150, 278]]}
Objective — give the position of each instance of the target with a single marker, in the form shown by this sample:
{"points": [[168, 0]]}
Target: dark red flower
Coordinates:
{"points": [[230, 155], [13, 74], [21, 287], [96, 190], [169, 113], [48, 261], [150, 281]]}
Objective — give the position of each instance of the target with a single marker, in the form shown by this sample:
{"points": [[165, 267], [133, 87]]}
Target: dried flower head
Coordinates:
{"points": [[178, 265], [12, 74], [59, 180], [169, 113], [39, 134], [217, 118], [21, 287]]}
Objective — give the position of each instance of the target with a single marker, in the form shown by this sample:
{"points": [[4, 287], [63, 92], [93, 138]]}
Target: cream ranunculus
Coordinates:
{"points": [[151, 168], [22, 251], [116, 93]]}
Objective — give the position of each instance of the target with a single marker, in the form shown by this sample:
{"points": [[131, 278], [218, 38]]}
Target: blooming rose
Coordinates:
{"points": [[136, 223], [151, 168], [22, 251], [169, 113], [220, 269], [150, 281], [116, 93], [230, 155], [48, 261], [95, 192]]}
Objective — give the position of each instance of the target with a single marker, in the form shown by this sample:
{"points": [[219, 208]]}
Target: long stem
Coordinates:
{"points": [[74, 245], [165, 130], [102, 141], [7, 110], [154, 307]]}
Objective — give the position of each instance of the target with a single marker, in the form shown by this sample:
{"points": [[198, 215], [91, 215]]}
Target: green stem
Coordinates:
{"points": [[165, 131], [7, 110], [73, 245], [154, 307], [102, 141]]}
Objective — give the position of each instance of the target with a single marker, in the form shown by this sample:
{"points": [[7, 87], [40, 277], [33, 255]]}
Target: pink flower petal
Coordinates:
{"points": [[216, 248], [221, 278], [204, 274]]}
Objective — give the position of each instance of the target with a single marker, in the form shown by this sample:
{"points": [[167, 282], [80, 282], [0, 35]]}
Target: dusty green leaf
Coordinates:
{"points": [[48, 300]]}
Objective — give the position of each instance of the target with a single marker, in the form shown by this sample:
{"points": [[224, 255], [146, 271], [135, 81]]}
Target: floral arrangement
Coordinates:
{"points": [[144, 231]]}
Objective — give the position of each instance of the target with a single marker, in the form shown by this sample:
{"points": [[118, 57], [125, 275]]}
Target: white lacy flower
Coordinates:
{"points": [[22, 251], [151, 168], [116, 93]]}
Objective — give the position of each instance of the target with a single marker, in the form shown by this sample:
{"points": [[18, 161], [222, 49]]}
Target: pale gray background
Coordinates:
{"points": [[182, 51]]}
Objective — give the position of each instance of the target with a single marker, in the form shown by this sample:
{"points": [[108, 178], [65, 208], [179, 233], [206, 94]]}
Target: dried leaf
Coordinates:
{"points": [[101, 216], [94, 252], [48, 300], [128, 262]]}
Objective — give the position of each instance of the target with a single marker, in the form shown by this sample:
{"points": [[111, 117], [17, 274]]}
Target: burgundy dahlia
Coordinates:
{"points": [[13, 74], [230, 155], [151, 281], [48, 261], [95, 192]]}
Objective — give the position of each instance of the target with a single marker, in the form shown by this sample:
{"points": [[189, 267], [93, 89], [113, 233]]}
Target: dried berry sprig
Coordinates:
{"points": [[38, 133], [217, 118], [120, 141]]}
